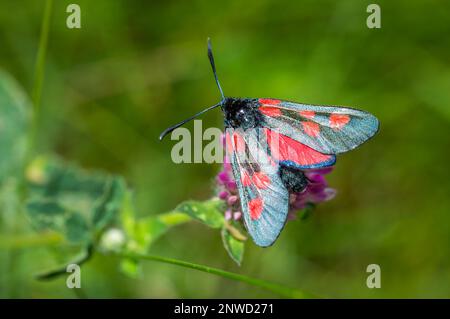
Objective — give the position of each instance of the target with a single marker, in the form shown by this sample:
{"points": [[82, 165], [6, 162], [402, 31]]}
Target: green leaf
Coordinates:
{"points": [[143, 232], [150, 229], [234, 247], [140, 234], [127, 214], [96, 195], [15, 111], [77, 230], [73, 201], [208, 212], [110, 204], [146, 230], [48, 214], [71, 185]]}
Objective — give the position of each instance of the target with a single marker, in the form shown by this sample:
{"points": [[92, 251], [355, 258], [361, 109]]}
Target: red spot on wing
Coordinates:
{"points": [[239, 143], [270, 111], [284, 148], [338, 121], [245, 179], [228, 144], [255, 207], [261, 180], [269, 101], [307, 114], [311, 128]]}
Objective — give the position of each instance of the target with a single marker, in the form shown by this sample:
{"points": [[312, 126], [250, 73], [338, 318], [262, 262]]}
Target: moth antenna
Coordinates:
{"points": [[213, 65], [171, 128]]}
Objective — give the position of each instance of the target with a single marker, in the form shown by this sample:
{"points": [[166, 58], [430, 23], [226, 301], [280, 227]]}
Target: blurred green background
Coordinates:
{"points": [[136, 67]]}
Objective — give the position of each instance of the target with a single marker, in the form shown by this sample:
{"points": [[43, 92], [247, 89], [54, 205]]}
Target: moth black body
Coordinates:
{"points": [[243, 113], [293, 179]]}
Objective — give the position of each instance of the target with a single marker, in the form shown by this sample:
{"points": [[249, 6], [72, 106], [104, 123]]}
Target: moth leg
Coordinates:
{"points": [[293, 179]]}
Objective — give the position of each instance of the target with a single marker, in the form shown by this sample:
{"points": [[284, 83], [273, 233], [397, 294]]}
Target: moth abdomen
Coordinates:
{"points": [[293, 179]]}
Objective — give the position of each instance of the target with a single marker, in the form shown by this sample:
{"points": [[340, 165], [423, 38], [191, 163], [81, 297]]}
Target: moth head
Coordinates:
{"points": [[241, 113]]}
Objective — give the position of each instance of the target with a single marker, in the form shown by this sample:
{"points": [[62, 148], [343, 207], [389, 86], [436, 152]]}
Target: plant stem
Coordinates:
{"points": [[84, 256], [235, 232], [39, 70], [273, 287]]}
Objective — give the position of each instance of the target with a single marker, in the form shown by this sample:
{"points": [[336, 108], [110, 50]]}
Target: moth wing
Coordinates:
{"points": [[327, 129], [292, 153], [264, 198]]}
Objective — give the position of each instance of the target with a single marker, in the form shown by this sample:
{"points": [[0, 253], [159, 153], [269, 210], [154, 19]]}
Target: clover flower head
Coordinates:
{"points": [[227, 191], [316, 191]]}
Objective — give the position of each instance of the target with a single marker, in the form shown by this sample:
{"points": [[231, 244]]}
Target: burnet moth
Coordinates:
{"points": [[271, 142]]}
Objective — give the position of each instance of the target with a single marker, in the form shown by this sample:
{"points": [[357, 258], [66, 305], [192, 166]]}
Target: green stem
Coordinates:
{"points": [[273, 287], [39, 70], [84, 256], [234, 232]]}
